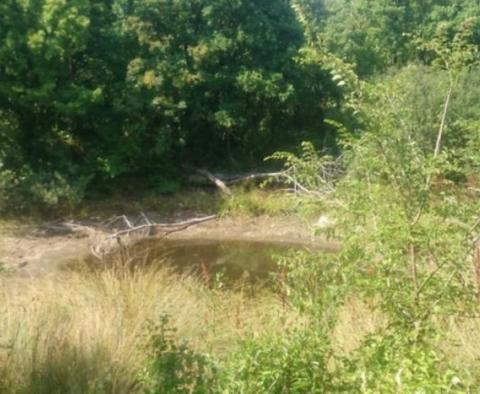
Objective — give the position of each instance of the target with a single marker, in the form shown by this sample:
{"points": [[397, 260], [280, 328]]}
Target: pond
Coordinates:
{"points": [[229, 261]]}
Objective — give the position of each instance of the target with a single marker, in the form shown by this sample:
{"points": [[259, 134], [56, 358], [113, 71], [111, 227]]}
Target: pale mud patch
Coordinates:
{"points": [[32, 255]]}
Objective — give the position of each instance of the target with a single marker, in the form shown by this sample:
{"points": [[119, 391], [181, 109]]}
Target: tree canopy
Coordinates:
{"points": [[96, 91]]}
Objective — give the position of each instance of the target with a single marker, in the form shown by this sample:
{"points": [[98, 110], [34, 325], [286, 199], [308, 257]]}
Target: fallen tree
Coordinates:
{"points": [[310, 173], [105, 236], [223, 181]]}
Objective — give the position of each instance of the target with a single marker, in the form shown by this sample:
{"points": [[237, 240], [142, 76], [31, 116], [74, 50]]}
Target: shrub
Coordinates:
{"points": [[295, 362], [172, 367], [45, 190]]}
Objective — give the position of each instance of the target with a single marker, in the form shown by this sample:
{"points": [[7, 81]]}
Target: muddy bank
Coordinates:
{"points": [[33, 252]]}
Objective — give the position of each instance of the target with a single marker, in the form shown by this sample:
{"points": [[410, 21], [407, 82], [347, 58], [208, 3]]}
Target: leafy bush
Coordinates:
{"points": [[395, 363], [407, 230], [301, 359], [308, 171], [6, 181], [407, 227], [29, 191], [175, 368], [295, 362], [188, 89]]}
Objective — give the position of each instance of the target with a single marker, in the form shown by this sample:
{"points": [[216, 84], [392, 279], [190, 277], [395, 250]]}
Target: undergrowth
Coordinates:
{"points": [[258, 202], [95, 332], [126, 331]]}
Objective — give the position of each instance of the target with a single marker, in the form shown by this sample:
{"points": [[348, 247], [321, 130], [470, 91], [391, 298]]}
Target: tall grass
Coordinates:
{"points": [[86, 332], [90, 331], [258, 202]]}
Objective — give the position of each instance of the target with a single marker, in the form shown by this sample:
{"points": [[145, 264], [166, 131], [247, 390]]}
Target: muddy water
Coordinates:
{"points": [[229, 261], [232, 259]]}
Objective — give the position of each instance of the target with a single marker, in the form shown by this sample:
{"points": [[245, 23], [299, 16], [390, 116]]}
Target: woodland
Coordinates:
{"points": [[364, 111]]}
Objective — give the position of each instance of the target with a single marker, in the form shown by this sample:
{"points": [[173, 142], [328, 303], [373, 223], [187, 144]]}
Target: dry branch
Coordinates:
{"points": [[436, 152], [231, 180], [105, 236], [442, 124], [170, 227], [217, 181], [248, 177]]}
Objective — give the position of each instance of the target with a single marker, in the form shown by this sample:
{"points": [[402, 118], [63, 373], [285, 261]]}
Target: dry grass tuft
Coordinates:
{"points": [[356, 319], [460, 340], [85, 331]]}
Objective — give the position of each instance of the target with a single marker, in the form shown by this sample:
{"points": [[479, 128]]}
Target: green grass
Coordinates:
{"points": [[258, 202], [252, 202], [243, 202], [192, 201]]}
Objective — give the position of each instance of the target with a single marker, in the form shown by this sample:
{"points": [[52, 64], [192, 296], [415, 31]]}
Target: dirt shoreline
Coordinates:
{"points": [[29, 252]]}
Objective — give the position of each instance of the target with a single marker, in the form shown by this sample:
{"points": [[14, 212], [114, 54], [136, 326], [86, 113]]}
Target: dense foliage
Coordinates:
{"points": [[376, 35], [94, 91]]}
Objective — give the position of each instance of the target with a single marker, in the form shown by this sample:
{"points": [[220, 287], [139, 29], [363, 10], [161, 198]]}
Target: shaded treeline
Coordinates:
{"points": [[93, 92]]}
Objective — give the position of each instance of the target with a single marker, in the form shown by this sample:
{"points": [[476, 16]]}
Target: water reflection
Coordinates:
{"points": [[229, 261], [232, 259]]}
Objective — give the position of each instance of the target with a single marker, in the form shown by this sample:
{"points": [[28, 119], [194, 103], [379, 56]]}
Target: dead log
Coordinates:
{"points": [[253, 176], [216, 181], [167, 228], [109, 240], [231, 180]]}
